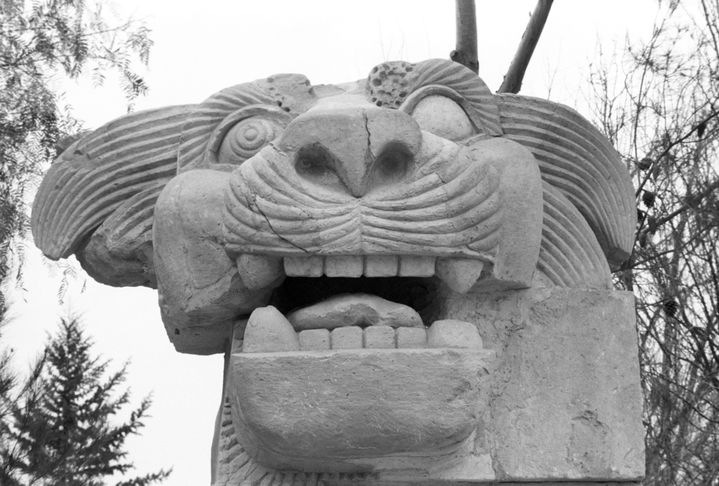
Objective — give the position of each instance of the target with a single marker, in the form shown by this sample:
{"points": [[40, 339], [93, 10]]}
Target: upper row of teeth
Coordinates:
{"points": [[358, 266], [259, 271]]}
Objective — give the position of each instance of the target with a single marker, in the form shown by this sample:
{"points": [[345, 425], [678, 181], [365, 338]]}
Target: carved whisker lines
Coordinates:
{"points": [[431, 244], [478, 203], [290, 204], [284, 212], [431, 196], [246, 228], [477, 222], [317, 228], [266, 201], [464, 211], [248, 190], [451, 178], [276, 174]]}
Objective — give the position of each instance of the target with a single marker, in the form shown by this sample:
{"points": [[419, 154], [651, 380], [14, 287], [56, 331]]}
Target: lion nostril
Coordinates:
{"points": [[392, 163], [315, 163]]}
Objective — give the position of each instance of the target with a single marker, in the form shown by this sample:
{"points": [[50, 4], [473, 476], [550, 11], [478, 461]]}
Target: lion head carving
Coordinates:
{"points": [[303, 230]]}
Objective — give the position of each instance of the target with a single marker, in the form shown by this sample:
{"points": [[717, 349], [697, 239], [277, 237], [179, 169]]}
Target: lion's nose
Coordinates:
{"points": [[358, 148]]}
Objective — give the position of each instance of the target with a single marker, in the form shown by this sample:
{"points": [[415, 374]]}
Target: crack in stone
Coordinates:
{"points": [[254, 204], [368, 154], [369, 134]]}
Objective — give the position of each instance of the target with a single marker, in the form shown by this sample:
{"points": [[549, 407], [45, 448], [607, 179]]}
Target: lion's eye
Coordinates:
{"points": [[246, 138], [443, 117]]}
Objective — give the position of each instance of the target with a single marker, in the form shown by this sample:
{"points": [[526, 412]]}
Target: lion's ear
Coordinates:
{"points": [[97, 199], [579, 162]]}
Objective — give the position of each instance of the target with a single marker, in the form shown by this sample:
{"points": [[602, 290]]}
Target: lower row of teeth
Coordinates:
{"points": [[269, 331]]}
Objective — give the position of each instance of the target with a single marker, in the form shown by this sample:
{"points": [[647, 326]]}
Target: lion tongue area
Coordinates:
{"points": [[352, 321], [354, 310]]}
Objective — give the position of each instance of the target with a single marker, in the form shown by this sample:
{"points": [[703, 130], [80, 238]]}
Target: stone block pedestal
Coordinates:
{"points": [[561, 404]]}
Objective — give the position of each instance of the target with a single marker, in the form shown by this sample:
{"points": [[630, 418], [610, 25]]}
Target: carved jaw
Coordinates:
{"points": [[355, 383]]}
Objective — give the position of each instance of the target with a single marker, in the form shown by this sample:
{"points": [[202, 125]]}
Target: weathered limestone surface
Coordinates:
{"points": [[355, 411], [409, 275], [566, 401]]}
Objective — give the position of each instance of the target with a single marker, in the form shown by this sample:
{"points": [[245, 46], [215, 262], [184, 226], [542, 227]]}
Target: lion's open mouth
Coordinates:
{"points": [[342, 302], [353, 360]]}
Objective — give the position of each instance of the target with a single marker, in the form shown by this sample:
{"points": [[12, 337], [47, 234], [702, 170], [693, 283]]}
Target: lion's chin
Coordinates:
{"points": [[356, 382]]}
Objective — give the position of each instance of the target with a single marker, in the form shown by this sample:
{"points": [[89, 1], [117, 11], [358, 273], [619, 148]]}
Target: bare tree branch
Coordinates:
{"points": [[691, 202], [671, 145], [513, 79], [466, 48], [667, 109]]}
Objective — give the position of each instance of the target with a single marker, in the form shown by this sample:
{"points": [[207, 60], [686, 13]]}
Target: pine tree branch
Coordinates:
{"points": [[513, 79], [65, 434]]}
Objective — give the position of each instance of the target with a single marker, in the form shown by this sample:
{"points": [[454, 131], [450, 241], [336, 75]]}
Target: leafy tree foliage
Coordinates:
{"points": [[660, 107], [41, 42], [61, 429]]}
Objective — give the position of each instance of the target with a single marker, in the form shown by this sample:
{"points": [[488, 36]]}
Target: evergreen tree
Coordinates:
{"points": [[62, 428]]}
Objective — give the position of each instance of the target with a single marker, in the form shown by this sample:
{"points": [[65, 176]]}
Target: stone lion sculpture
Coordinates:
{"points": [[409, 275]]}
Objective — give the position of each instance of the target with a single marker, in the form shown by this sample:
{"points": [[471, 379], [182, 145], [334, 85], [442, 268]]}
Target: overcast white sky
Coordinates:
{"points": [[203, 46]]}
